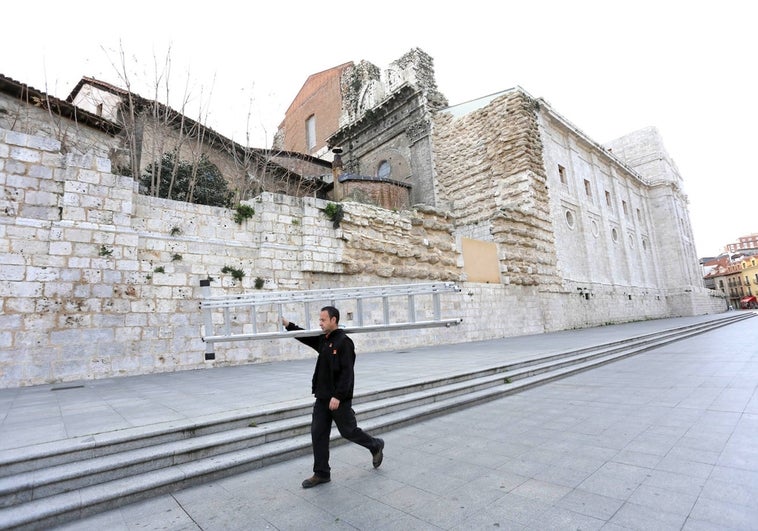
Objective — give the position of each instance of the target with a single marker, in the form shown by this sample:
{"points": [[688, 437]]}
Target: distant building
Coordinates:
{"points": [[100, 119], [25, 109], [314, 114], [743, 242], [151, 129]]}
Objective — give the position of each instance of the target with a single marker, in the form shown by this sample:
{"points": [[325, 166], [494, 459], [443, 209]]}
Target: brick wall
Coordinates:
{"points": [[321, 96], [377, 192]]}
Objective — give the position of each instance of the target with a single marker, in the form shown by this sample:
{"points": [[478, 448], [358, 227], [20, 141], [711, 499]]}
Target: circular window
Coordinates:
{"points": [[631, 240], [570, 219], [595, 228], [644, 244], [384, 170], [614, 235]]}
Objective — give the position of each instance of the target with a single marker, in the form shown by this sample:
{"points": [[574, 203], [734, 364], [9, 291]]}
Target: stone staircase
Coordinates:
{"points": [[54, 483]]}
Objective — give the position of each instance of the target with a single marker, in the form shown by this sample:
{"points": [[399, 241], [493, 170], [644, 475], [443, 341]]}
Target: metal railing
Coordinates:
{"points": [[255, 316]]}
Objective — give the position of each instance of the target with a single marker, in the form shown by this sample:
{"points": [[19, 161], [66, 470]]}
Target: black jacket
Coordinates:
{"points": [[333, 375]]}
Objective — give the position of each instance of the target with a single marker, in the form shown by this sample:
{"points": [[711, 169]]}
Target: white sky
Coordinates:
{"points": [[609, 66]]}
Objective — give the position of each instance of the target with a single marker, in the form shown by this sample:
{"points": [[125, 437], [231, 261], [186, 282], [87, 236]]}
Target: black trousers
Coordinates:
{"points": [[321, 428]]}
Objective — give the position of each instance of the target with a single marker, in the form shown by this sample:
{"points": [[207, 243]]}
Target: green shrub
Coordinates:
{"points": [[335, 213], [243, 212], [237, 274]]}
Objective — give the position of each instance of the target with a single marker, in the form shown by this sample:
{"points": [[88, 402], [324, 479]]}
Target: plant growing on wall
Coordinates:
{"points": [[243, 212], [176, 257], [104, 251], [176, 231], [259, 282], [335, 213], [237, 274]]}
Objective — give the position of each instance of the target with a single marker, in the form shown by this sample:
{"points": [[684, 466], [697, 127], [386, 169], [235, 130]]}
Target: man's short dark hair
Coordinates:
{"points": [[332, 311]]}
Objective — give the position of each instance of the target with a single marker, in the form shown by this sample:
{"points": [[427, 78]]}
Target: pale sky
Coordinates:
{"points": [[610, 67]]}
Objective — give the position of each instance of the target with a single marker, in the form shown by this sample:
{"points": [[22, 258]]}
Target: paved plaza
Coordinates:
{"points": [[666, 439]]}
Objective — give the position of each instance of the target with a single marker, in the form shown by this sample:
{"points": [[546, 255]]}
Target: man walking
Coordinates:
{"points": [[332, 385]]}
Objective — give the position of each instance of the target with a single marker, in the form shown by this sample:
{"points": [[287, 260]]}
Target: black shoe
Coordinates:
{"points": [[378, 455], [314, 480]]}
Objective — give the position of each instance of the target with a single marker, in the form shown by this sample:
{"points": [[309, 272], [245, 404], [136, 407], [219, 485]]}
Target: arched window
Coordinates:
{"points": [[383, 170]]}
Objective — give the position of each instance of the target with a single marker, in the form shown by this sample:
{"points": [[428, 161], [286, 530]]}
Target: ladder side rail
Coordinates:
{"points": [[350, 330], [332, 294]]}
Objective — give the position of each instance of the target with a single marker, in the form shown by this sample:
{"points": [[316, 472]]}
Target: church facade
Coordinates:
{"points": [[534, 201]]}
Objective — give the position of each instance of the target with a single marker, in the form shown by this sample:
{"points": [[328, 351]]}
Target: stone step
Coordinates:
{"points": [[78, 449], [39, 497]]}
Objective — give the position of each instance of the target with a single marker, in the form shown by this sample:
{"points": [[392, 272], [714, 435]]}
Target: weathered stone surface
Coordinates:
{"points": [[98, 281]]}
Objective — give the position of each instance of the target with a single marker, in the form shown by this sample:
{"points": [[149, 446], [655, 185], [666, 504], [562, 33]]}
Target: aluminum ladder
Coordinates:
{"points": [[255, 316]]}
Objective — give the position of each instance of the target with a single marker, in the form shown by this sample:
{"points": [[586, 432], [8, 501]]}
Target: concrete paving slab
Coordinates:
{"points": [[629, 445]]}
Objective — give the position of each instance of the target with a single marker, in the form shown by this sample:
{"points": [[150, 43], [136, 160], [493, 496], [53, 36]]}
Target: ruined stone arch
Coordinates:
{"points": [[371, 94], [399, 166]]}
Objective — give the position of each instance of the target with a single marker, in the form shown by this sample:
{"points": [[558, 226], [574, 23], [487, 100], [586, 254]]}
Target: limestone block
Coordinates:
{"points": [[41, 274], [12, 167], [12, 273], [39, 171]]}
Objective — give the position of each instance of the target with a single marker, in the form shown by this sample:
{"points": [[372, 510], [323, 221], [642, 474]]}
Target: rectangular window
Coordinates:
{"points": [[587, 188], [310, 132], [625, 207], [639, 215], [562, 174], [608, 198]]}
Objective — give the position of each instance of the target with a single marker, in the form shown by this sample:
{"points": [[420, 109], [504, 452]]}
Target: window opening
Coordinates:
{"points": [[310, 132], [562, 174], [383, 170]]}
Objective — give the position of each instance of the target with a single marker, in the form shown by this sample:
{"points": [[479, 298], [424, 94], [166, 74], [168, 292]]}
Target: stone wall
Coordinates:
{"points": [[99, 281], [490, 173]]}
